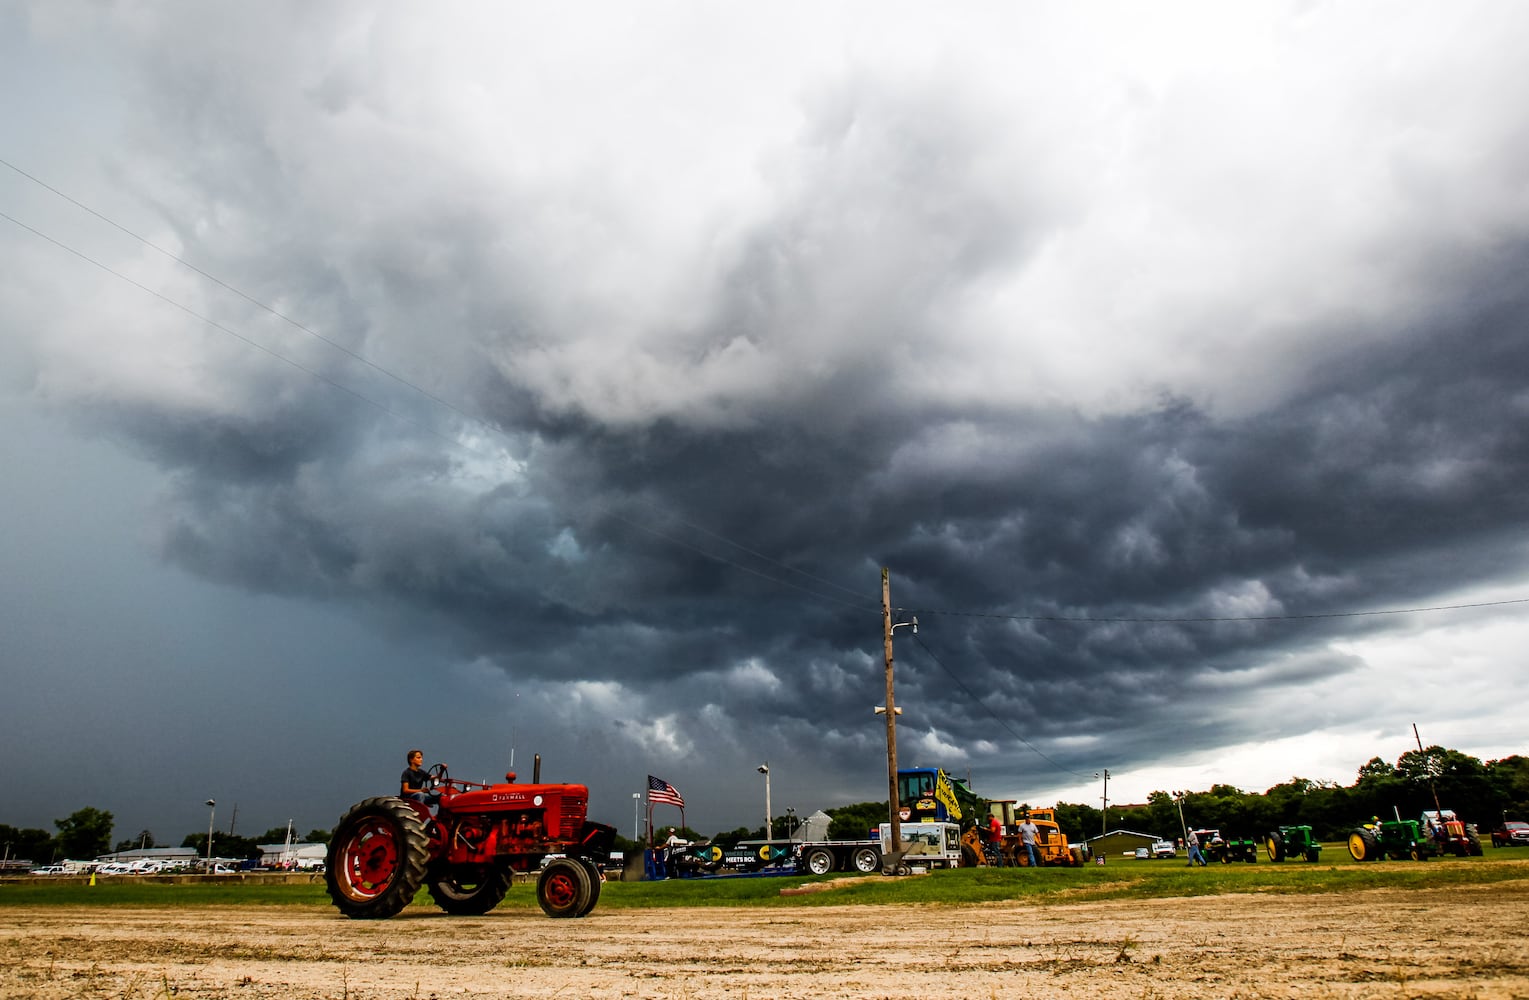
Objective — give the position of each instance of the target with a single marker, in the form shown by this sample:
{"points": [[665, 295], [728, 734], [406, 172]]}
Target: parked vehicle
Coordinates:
{"points": [[1164, 849], [1511, 834]]}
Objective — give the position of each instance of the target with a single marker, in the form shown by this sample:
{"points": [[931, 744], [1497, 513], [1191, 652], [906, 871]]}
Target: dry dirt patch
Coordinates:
{"points": [[1467, 942]]}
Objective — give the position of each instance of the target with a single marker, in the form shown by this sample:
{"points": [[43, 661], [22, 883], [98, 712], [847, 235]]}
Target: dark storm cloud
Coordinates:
{"points": [[658, 384]]}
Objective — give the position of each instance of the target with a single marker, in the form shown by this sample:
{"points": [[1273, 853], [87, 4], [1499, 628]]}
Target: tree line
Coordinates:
{"points": [[86, 834], [1481, 793]]}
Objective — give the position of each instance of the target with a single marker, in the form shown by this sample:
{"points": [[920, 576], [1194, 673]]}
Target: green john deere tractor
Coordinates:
{"points": [[1292, 842], [1390, 838]]}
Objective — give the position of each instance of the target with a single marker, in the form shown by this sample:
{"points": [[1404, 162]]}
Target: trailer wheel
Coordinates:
{"points": [[376, 860], [564, 889], [1275, 846], [866, 860], [819, 861], [469, 892]]}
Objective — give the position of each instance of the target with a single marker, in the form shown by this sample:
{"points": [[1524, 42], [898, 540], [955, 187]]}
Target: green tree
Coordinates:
{"points": [[29, 844], [85, 833], [855, 822], [316, 837], [223, 845]]}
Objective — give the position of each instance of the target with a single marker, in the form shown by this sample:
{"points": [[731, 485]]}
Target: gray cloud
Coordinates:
{"points": [[642, 423]]}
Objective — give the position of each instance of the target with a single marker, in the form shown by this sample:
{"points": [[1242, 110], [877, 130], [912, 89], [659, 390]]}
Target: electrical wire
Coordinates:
{"points": [[498, 432], [1206, 620], [995, 716]]}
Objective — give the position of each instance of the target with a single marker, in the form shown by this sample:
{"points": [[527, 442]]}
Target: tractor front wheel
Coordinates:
{"points": [[596, 880], [564, 888], [469, 892], [376, 858]]}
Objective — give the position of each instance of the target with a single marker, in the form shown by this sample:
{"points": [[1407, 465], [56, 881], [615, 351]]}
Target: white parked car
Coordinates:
{"points": [[1164, 849]]}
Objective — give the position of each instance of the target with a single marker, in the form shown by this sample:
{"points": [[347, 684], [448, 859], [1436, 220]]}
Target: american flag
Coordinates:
{"points": [[660, 790]]}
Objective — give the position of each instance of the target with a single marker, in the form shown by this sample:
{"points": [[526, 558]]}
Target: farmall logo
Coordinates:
{"points": [[514, 797]]}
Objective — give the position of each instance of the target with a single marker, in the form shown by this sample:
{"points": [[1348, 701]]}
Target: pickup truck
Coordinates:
{"points": [[1164, 849], [1511, 834]]}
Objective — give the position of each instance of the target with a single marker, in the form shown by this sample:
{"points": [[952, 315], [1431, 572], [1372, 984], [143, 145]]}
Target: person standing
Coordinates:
{"points": [[995, 834], [1027, 834], [1193, 843]]}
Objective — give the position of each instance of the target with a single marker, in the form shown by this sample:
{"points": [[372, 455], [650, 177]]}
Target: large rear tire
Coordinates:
{"points": [[468, 892], [1274, 844], [563, 889], [1362, 846], [596, 880], [1474, 843], [376, 860], [867, 860]]}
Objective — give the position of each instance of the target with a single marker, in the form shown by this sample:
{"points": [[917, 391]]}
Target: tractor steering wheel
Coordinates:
{"points": [[438, 778]]}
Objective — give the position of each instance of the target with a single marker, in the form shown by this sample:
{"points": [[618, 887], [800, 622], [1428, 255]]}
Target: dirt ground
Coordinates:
{"points": [[1464, 942]]}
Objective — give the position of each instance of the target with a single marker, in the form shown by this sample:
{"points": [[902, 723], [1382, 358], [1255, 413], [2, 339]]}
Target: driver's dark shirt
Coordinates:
{"points": [[413, 777]]}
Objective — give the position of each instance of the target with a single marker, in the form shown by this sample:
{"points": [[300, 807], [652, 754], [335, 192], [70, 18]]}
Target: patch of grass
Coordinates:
{"points": [[1120, 879]]}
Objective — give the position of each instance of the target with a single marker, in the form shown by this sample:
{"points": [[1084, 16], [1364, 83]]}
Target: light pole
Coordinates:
{"points": [[790, 823], [1104, 823], [211, 811], [636, 817], [1178, 797], [764, 769]]}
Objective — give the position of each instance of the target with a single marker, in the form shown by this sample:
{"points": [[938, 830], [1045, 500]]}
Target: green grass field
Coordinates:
{"points": [[1119, 879]]}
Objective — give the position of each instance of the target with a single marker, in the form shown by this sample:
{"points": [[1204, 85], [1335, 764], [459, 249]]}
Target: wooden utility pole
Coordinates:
{"points": [[894, 808]]}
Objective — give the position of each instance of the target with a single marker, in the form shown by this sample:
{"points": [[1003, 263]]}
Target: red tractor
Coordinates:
{"points": [[385, 848]]}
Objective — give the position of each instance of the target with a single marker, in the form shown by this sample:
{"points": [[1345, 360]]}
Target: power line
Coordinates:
{"points": [[183, 262], [1205, 620], [496, 431], [488, 427], [996, 717]]}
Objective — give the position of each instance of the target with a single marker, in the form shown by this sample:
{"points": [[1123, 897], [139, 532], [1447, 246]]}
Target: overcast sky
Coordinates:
{"points": [[558, 379]]}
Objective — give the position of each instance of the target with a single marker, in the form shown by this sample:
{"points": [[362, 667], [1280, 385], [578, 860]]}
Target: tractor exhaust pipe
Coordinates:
{"points": [[536, 769]]}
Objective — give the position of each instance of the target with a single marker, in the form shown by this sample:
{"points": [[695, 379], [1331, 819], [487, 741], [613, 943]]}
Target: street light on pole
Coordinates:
{"points": [[211, 811], [636, 817], [1104, 822], [764, 769]]}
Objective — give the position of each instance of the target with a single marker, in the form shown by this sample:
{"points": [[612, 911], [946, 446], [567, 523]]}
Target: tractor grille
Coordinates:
{"points": [[571, 815]]}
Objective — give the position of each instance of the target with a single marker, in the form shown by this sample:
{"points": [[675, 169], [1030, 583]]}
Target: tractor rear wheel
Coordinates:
{"points": [[1275, 845], [564, 889], [969, 856], [1362, 846], [376, 859], [469, 891], [819, 861], [1474, 843]]}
